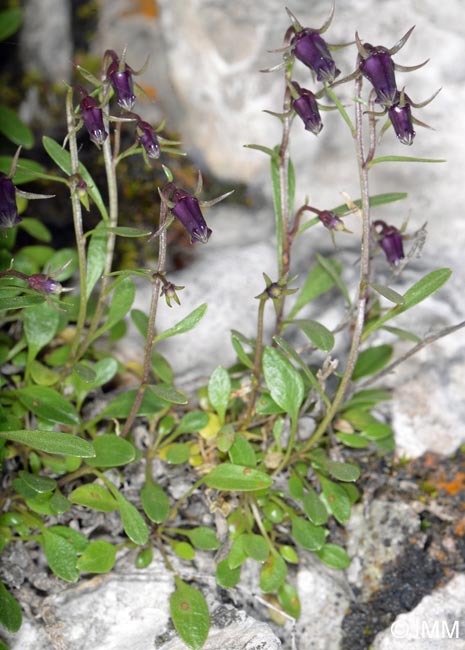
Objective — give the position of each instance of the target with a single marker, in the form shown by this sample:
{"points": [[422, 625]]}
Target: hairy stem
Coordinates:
{"points": [[156, 282], [359, 319], [77, 220]]}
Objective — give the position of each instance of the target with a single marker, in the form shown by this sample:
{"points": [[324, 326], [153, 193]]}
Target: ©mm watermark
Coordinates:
{"points": [[425, 629]]}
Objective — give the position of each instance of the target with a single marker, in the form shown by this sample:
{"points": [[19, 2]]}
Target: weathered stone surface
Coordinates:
{"points": [[46, 45], [437, 622]]}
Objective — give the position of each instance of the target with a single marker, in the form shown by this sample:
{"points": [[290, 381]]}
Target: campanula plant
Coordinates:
{"points": [[241, 437]]}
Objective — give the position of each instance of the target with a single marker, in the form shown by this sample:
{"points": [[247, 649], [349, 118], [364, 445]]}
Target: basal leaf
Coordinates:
{"points": [[13, 128], [10, 22], [51, 442], [98, 557], [168, 393], [336, 500], [236, 478], [289, 600], [10, 611], [111, 451], [93, 496], [219, 391], [273, 573], [61, 556], [47, 403], [242, 452], [133, 522], [204, 538], [334, 556], [40, 326], [225, 576], [307, 535], [189, 612], [155, 502]]}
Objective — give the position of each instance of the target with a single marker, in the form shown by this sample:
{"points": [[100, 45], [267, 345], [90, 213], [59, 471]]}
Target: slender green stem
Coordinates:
{"points": [[112, 187], [260, 526], [77, 219], [359, 319], [156, 282], [258, 361]]}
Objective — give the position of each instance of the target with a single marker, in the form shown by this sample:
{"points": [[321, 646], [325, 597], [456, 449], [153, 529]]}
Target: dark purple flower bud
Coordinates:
{"points": [[120, 76], [330, 220], [311, 49], [44, 284], [93, 120], [400, 115], [186, 208], [307, 109], [148, 139], [9, 216], [390, 240], [378, 68]]}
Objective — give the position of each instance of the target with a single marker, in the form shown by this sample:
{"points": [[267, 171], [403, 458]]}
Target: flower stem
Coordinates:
{"points": [[359, 319], [156, 282], [77, 219]]}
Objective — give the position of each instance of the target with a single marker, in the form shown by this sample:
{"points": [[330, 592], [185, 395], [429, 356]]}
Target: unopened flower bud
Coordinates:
{"points": [[9, 216], [390, 240], [306, 107]]}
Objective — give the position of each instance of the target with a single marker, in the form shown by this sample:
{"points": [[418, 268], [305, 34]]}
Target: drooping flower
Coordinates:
{"points": [[186, 208], [120, 76], [377, 65], [93, 118], [390, 240], [308, 46], [9, 216], [305, 105], [401, 118], [44, 284], [148, 139], [330, 220]]}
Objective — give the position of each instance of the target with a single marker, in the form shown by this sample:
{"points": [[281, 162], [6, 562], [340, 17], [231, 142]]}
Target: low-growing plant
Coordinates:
{"points": [[244, 438]]}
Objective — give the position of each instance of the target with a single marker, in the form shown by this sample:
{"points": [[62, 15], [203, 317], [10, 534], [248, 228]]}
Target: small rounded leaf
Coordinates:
{"points": [[189, 612], [98, 557]]}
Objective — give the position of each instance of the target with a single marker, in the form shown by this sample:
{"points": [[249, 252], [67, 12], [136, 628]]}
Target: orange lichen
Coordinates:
{"points": [[453, 485], [148, 8]]}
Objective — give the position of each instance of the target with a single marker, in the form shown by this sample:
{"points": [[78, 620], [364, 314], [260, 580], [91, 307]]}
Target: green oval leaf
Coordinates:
{"points": [[184, 325], [371, 361], [192, 422], [388, 293], [48, 404], [183, 550], [124, 231], [10, 611], [189, 612], [155, 502], [52, 442], [353, 440], [318, 281], [314, 508], [93, 496], [343, 471], [285, 384], [241, 452], [111, 451], [225, 576], [168, 393], [178, 453], [203, 538], [121, 302], [61, 556], [289, 600], [40, 484], [14, 129], [273, 573], [318, 334], [237, 478], [219, 391], [307, 534], [36, 229], [336, 499], [121, 406], [334, 556], [10, 22], [255, 546], [96, 254], [133, 522], [99, 557], [40, 326]]}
